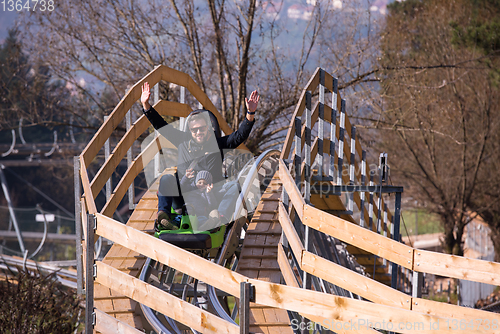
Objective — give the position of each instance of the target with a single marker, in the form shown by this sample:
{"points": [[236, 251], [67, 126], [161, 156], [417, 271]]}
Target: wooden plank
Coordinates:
{"points": [[175, 257], [89, 196], [326, 307], [108, 324], [456, 266], [137, 166], [162, 301], [290, 187], [118, 153], [117, 115], [358, 236], [291, 235], [286, 269], [465, 314], [291, 280], [354, 282]]}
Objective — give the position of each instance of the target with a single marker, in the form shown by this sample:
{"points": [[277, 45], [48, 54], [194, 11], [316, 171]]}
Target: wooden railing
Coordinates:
{"points": [[348, 149], [392, 306], [408, 257], [323, 307]]}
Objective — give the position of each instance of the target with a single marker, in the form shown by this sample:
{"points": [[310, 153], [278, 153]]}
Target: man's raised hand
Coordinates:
{"points": [[146, 93], [253, 101]]}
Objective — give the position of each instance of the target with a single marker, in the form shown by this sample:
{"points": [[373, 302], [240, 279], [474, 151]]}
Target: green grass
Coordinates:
{"points": [[427, 222]]}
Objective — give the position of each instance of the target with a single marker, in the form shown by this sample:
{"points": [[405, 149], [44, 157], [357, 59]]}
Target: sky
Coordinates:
{"points": [[6, 22]]}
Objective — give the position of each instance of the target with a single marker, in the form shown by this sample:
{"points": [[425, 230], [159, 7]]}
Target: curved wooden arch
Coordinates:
{"points": [[167, 108]]}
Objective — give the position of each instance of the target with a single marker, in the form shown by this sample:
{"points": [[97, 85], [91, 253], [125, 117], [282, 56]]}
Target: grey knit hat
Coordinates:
{"points": [[205, 175]]}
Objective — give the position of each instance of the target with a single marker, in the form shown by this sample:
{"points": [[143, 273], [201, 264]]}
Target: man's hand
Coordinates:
{"points": [[189, 173], [253, 101], [146, 93]]}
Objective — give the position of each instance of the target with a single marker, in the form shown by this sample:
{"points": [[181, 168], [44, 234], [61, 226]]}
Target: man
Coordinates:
{"points": [[198, 149]]}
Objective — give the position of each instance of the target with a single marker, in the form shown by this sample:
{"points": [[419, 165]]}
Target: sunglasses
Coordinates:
{"points": [[200, 128]]}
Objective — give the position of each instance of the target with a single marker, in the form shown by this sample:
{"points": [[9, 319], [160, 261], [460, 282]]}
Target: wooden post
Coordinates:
{"points": [[350, 206], [333, 129], [78, 226], [362, 222], [89, 276], [321, 122], [341, 143], [156, 98], [306, 279], [297, 159], [131, 189], [395, 236]]}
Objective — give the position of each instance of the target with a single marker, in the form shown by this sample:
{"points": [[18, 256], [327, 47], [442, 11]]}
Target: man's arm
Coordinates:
{"points": [[154, 118]]}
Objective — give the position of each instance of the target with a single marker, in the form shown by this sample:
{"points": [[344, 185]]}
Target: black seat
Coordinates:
{"points": [[188, 241]]}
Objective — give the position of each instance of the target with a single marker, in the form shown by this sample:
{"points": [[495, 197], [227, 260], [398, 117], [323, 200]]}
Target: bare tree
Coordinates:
{"points": [[444, 109], [227, 46]]}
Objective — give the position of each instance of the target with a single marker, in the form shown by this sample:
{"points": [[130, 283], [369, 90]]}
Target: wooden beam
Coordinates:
{"points": [[290, 187], [117, 115], [480, 319], [291, 235], [89, 197], [299, 109], [358, 236], [166, 108], [349, 312], [290, 280], [354, 282], [118, 153], [161, 301], [166, 253], [286, 269], [137, 166], [108, 324], [457, 266]]}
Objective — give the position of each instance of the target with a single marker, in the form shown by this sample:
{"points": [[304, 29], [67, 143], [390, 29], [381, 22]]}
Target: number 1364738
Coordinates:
{"points": [[27, 5]]}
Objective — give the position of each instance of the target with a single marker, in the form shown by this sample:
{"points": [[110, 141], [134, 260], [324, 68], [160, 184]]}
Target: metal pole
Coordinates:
{"points": [[247, 294], [78, 226], [5, 189], [417, 281], [182, 120], [89, 276]]}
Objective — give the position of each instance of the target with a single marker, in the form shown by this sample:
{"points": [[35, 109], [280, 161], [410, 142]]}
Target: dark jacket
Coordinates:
{"points": [[188, 150]]}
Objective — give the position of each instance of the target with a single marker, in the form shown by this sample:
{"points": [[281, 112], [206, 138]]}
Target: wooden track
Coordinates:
{"points": [[258, 260]]}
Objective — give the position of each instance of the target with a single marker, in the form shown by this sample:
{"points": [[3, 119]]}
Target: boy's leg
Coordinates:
{"points": [[168, 198], [228, 203]]}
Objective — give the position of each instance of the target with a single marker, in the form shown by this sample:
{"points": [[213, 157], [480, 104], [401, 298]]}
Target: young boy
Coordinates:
{"points": [[199, 198]]}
